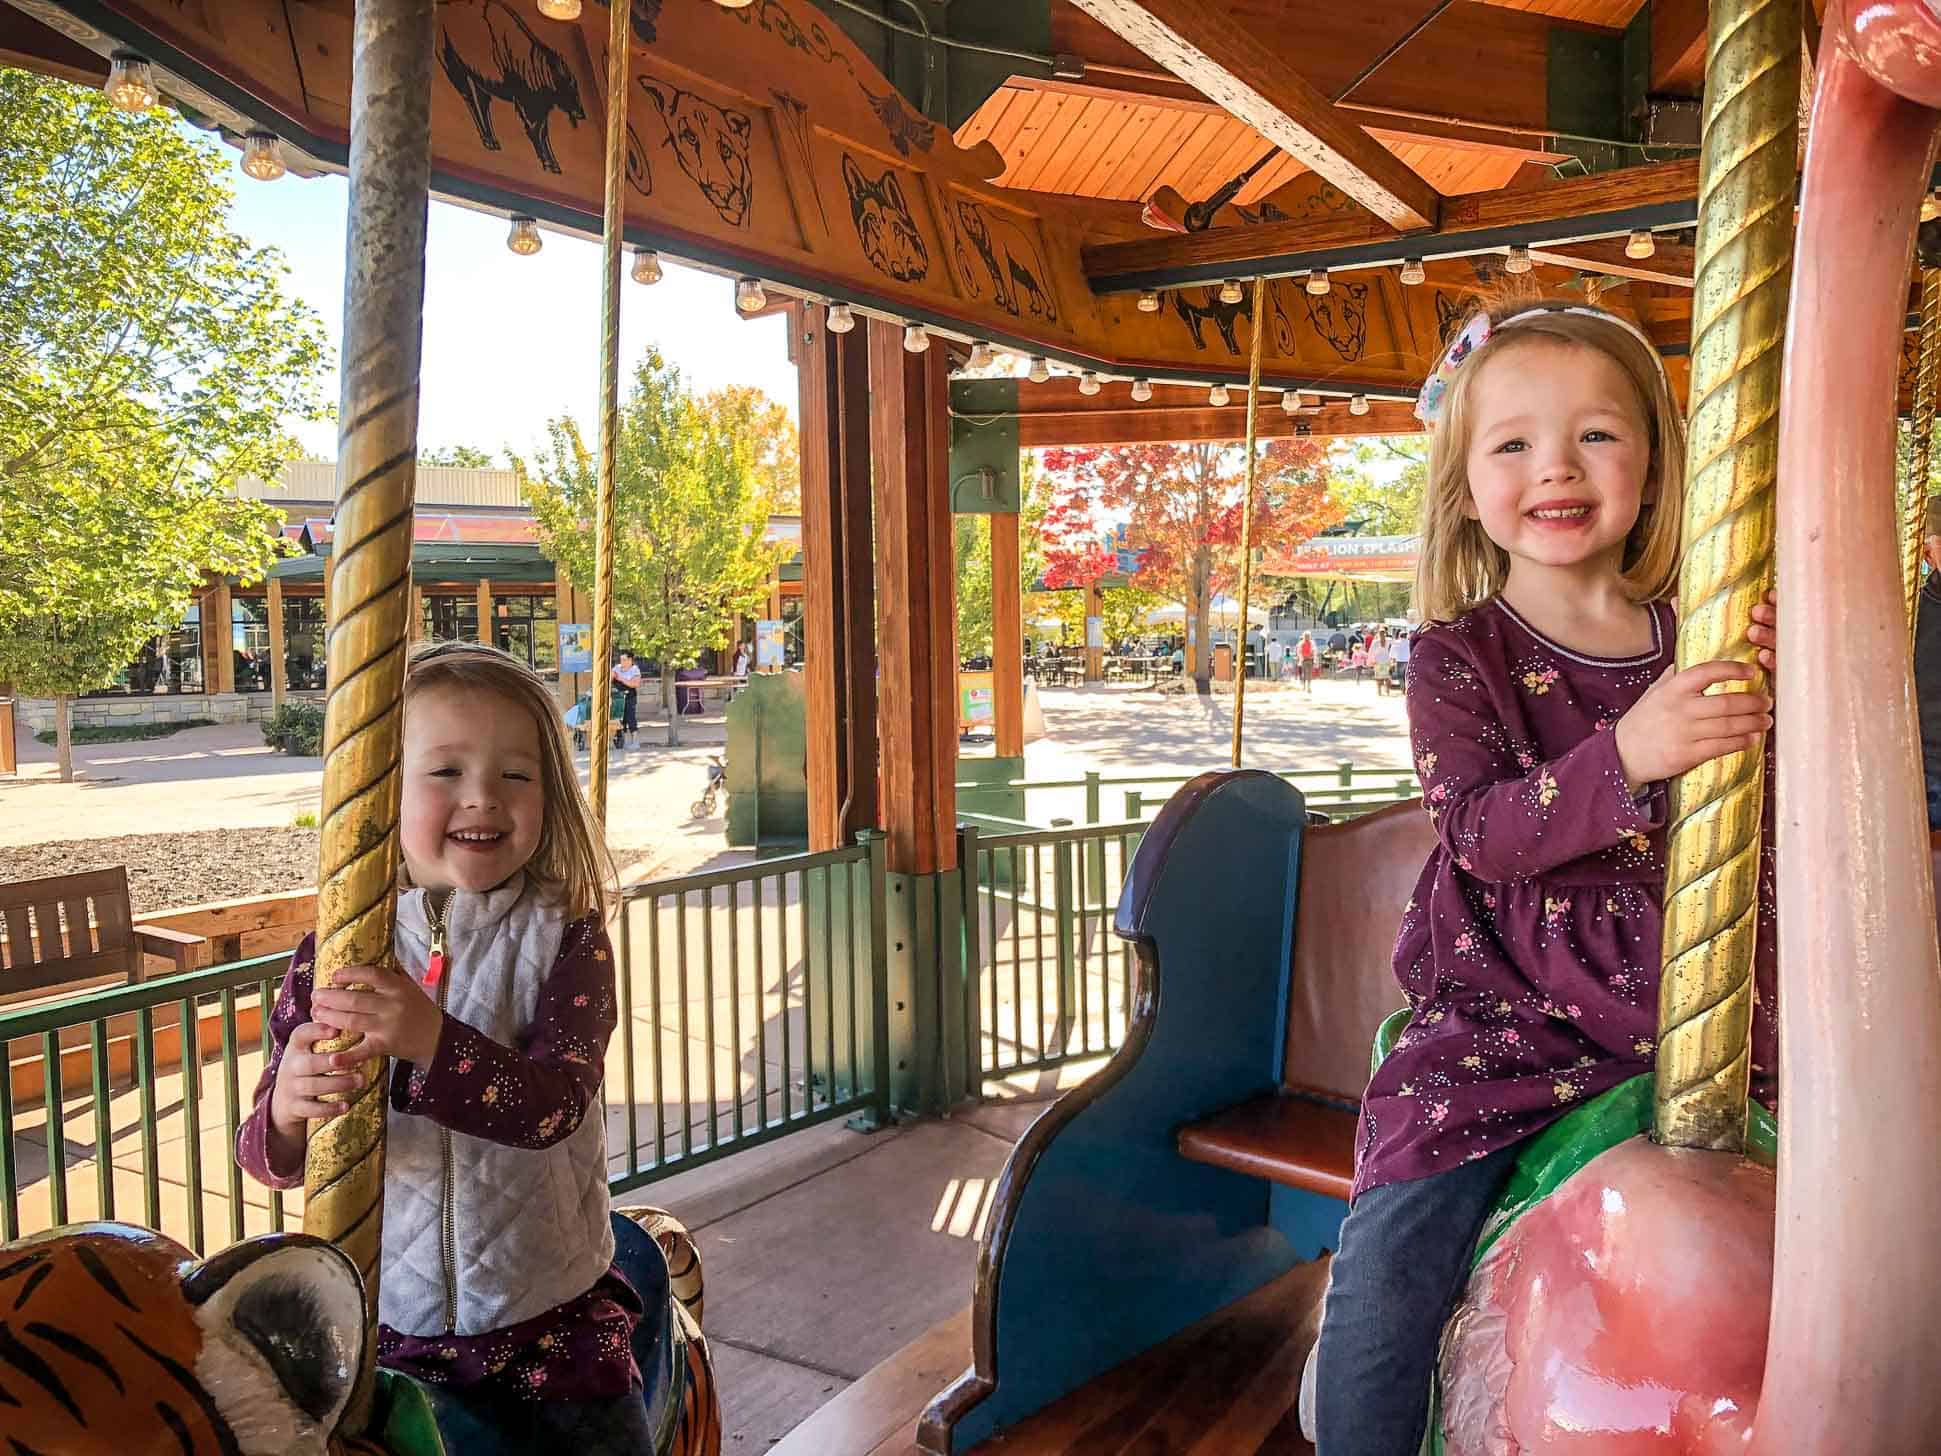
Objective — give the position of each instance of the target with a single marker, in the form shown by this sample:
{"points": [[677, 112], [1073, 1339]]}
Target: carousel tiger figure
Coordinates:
{"points": [[117, 1341]]}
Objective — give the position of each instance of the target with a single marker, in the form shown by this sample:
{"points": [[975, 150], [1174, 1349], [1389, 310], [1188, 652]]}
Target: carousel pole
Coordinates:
{"points": [[1247, 519], [370, 567], [1747, 169], [599, 744], [1915, 518]]}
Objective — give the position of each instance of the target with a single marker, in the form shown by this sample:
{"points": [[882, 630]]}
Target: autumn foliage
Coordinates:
{"points": [[1182, 506]]}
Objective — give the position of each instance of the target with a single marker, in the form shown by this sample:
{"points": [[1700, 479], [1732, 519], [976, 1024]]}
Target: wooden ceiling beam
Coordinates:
{"points": [[1190, 426], [1201, 42], [1678, 46], [1608, 204], [1672, 263]]}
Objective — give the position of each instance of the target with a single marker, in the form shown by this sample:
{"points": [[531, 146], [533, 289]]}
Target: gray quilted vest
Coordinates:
{"points": [[478, 1236]]}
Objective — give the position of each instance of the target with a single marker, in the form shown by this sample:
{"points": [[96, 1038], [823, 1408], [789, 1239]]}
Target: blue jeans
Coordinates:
{"points": [[1934, 803], [1401, 1268]]}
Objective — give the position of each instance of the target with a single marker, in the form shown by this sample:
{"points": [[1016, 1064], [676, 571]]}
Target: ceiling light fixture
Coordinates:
{"points": [[263, 157], [840, 320], [1413, 272], [750, 296], [1149, 301], [1640, 245], [130, 85], [523, 236], [646, 266]]}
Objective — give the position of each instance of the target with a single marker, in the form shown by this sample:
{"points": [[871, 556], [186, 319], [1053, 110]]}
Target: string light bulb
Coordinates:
{"points": [[980, 356], [646, 266], [1230, 291], [130, 85], [560, 9], [750, 296], [1358, 404], [1217, 395], [523, 236], [734, 4], [1640, 244], [1149, 301], [1290, 402], [1518, 259], [263, 157], [1317, 282], [916, 338], [1413, 272], [1040, 369], [1088, 383], [1141, 390], [840, 320]]}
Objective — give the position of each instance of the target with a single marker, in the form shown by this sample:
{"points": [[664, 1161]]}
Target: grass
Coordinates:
{"points": [[305, 819], [125, 732]]}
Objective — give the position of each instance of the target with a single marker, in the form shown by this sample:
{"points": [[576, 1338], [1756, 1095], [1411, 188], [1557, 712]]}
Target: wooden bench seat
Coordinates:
{"points": [[1284, 1137]]}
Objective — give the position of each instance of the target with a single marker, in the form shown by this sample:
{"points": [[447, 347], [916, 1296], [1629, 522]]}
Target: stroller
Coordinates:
{"points": [[576, 717]]}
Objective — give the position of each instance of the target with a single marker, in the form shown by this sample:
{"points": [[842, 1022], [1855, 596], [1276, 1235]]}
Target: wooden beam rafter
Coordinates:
{"points": [[1055, 413], [1201, 42], [1609, 204], [1671, 263], [1678, 47]]}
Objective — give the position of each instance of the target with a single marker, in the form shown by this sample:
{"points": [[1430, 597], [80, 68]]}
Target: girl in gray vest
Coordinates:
{"points": [[498, 1290]]}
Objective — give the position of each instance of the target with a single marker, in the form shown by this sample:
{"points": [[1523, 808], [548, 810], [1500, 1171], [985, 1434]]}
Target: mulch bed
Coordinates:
{"points": [[170, 870]]}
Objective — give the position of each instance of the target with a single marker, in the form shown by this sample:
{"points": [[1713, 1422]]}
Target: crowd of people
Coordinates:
{"points": [[1369, 650]]}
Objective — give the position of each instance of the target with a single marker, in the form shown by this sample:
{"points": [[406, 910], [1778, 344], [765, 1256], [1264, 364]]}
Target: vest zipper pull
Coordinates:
{"points": [[435, 964]]}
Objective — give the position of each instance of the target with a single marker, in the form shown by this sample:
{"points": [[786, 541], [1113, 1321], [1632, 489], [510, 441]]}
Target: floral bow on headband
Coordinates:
{"points": [[1478, 332]]}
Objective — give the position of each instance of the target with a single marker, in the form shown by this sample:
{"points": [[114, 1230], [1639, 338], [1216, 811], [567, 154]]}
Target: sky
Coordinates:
{"points": [[511, 342]]}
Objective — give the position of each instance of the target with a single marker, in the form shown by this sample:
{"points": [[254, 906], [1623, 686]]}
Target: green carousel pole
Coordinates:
{"points": [[599, 743], [370, 567]]}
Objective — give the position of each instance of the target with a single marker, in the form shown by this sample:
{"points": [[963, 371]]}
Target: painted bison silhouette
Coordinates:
{"points": [[517, 67]]}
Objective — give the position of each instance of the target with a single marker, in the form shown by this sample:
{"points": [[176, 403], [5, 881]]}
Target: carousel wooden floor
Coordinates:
{"points": [[1227, 1386]]}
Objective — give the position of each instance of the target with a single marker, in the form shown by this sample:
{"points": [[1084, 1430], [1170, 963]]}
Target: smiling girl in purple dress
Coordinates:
{"points": [[1546, 716]]}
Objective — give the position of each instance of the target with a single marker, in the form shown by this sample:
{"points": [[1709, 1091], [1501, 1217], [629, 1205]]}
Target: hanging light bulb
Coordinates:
{"points": [[1141, 390], [131, 83], [734, 4], [646, 266], [263, 157], [916, 338], [523, 237], [1640, 245], [1149, 301], [750, 296], [1040, 369], [980, 356], [1358, 404], [560, 9], [1290, 402], [1230, 291], [1413, 272], [1088, 383], [1518, 260], [1317, 282], [1217, 395], [840, 320]]}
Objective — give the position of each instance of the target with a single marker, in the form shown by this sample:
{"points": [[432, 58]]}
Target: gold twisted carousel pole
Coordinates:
{"points": [[599, 739], [1915, 519], [370, 595], [1247, 518], [1745, 251]]}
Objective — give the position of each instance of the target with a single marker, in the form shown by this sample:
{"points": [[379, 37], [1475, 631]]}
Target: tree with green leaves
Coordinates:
{"points": [[974, 583], [1377, 482], [774, 446], [465, 457], [689, 555], [149, 358]]}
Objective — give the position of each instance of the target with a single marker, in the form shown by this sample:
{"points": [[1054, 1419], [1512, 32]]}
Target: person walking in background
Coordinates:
{"points": [[1378, 661], [627, 673], [1398, 662], [1305, 655], [1276, 658]]}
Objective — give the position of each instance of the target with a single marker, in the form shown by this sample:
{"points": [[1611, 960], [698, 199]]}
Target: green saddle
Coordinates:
{"points": [[404, 1424], [1548, 1159]]}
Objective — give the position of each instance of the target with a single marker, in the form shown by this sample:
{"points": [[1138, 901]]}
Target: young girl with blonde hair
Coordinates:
{"points": [[1545, 716], [498, 1289]]}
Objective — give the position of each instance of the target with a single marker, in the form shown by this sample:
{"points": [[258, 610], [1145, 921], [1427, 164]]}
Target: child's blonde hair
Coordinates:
{"points": [[1458, 566], [571, 862]]}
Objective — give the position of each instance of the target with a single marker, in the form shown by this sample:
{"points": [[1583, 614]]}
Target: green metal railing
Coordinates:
{"points": [[752, 1004], [1341, 792]]}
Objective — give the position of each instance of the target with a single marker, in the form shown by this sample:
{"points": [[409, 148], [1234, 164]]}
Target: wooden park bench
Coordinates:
{"points": [[68, 933]]}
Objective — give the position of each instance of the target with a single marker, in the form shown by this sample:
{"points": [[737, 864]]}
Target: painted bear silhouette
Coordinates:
{"points": [[519, 69], [1208, 309], [884, 224], [1010, 260], [711, 144]]}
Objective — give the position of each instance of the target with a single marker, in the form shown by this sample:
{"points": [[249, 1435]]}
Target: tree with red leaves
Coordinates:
{"points": [[1182, 505]]}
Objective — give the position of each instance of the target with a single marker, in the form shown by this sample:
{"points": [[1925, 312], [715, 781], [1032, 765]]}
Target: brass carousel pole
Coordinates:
{"points": [[1917, 476], [1745, 250], [1247, 519], [599, 741], [370, 566]]}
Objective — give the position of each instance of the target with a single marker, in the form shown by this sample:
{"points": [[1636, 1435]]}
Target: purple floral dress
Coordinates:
{"points": [[1530, 950], [528, 1096]]}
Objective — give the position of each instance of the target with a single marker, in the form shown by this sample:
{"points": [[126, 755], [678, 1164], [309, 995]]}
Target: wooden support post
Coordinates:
{"points": [[1007, 636], [222, 609], [1094, 656], [329, 563], [838, 590], [415, 628], [279, 676], [910, 446], [485, 611], [564, 602]]}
